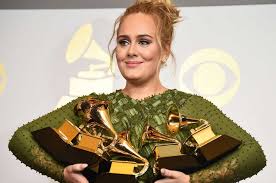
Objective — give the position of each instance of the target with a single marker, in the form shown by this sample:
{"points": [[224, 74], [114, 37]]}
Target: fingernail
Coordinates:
{"points": [[84, 165], [163, 171]]}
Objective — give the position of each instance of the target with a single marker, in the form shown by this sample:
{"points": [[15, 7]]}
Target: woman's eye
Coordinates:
{"points": [[123, 42], [144, 42]]}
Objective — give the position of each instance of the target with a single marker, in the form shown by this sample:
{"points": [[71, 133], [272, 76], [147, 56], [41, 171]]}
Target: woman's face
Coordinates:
{"points": [[138, 52]]}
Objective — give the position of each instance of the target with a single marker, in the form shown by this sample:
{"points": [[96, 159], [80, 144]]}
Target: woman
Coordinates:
{"points": [[144, 36]]}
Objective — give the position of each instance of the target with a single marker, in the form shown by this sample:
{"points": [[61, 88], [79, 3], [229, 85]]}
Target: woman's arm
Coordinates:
{"points": [[26, 149], [244, 162]]}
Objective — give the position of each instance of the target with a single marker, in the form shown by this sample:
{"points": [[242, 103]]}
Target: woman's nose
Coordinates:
{"points": [[132, 50]]}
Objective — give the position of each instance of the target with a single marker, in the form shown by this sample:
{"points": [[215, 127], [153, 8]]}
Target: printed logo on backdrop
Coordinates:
{"points": [[211, 73], [3, 78], [98, 77]]}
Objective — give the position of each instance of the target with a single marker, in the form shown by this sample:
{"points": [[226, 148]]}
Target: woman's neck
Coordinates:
{"points": [[142, 91]]}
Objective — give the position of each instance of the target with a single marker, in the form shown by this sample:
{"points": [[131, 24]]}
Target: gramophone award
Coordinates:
{"points": [[167, 152], [94, 142], [201, 148]]}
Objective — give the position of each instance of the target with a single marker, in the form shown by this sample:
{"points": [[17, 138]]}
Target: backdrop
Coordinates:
{"points": [[49, 57]]}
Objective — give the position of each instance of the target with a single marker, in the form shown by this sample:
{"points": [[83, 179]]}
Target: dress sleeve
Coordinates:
{"points": [[244, 162], [26, 149]]}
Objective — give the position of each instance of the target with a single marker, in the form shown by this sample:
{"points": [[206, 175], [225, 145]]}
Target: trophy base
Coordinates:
{"points": [[112, 177], [217, 148], [51, 142], [184, 163]]}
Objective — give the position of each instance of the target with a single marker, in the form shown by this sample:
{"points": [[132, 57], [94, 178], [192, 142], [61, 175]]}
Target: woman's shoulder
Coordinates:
{"points": [[184, 99], [179, 93], [180, 97], [195, 98], [183, 94]]}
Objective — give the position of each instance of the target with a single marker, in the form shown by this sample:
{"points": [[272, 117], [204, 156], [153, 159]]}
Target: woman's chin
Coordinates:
{"points": [[133, 78]]}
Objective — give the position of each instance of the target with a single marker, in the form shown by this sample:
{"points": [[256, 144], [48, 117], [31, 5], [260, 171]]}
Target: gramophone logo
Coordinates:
{"points": [[3, 78], [98, 78], [215, 75]]}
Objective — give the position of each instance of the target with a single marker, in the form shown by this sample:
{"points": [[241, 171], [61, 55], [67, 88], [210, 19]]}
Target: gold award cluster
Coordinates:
{"points": [[111, 155]]}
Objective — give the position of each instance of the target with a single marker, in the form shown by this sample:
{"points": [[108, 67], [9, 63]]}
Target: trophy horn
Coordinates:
{"points": [[101, 112], [124, 148], [150, 134], [95, 113], [176, 121], [125, 135]]}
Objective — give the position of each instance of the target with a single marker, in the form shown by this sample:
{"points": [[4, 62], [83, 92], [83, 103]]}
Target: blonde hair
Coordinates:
{"points": [[165, 15]]}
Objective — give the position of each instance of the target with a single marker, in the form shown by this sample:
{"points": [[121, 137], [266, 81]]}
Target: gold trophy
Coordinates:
{"points": [[203, 143], [96, 115], [94, 142], [70, 144], [167, 152]]}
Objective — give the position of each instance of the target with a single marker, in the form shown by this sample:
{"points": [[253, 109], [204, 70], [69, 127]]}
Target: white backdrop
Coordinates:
{"points": [[47, 57]]}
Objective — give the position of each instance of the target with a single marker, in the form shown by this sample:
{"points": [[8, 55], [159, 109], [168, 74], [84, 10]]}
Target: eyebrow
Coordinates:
{"points": [[139, 36]]}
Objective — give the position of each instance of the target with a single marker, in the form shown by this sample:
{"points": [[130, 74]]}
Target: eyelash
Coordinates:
{"points": [[142, 42], [147, 42], [123, 42]]}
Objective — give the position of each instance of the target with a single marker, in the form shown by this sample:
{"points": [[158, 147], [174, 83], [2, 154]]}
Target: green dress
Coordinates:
{"points": [[129, 114]]}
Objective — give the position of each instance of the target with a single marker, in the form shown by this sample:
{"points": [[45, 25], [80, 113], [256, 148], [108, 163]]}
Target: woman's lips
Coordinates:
{"points": [[133, 63]]}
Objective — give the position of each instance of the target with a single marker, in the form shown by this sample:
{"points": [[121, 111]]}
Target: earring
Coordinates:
{"points": [[163, 63]]}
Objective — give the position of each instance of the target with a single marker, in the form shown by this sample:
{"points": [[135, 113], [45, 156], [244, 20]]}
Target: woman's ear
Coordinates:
{"points": [[166, 52]]}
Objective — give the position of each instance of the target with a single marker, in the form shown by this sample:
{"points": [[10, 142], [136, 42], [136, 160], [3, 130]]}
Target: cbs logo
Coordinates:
{"points": [[211, 73]]}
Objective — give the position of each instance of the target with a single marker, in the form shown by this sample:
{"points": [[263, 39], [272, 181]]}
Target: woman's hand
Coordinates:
{"points": [[72, 173], [172, 176]]}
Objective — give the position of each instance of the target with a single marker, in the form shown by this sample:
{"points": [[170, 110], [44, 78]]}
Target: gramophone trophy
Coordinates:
{"points": [[201, 148], [97, 139], [167, 153], [202, 142]]}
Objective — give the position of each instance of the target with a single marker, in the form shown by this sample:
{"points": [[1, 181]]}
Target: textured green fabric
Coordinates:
{"points": [[129, 114]]}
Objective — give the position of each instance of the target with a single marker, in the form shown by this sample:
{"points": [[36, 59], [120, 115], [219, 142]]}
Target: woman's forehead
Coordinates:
{"points": [[137, 24]]}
